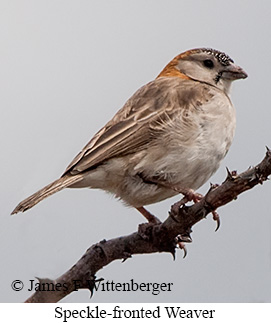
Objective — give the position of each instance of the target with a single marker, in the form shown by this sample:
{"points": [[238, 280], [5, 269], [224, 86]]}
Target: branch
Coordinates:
{"points": [[150, 238]]}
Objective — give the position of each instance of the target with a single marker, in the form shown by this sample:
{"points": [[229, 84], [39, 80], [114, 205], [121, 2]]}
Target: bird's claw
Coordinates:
{"points": [[217, 219], [183, 247], [181, 240]]}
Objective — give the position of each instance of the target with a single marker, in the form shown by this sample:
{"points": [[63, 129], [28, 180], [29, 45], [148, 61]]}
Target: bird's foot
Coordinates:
{"points": [[189, 195]]}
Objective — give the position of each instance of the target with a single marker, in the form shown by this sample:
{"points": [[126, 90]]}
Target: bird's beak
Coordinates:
{"points": [[233, 72]]}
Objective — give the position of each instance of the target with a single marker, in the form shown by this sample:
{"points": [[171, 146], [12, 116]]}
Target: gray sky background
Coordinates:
{"points": [[66, 68]]}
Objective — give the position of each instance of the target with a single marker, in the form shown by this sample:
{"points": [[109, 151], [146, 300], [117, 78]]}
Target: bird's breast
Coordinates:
{"points": [[191, 147]]}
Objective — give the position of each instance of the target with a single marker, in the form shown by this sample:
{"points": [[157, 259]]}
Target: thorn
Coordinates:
{"points": [[91, 284], [260, 177], [213, 187], [229, 175], [127, 255], [45, 280], [268, 151]]}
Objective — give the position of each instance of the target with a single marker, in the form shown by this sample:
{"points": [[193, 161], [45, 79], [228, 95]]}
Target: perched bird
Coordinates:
{"points": [[168, 138]]}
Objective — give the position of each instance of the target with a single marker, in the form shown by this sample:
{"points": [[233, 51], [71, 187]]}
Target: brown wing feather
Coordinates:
{"points": [[127, 132]]}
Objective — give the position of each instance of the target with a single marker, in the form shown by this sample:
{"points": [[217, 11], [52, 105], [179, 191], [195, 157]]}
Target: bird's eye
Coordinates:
{"points": [[208, 63]]}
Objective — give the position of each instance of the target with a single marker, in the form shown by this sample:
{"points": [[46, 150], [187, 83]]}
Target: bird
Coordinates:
{"points": [[169, 138]]}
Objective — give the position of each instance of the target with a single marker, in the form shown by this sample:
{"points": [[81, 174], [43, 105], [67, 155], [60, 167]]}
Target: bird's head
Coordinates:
{"points": [[205, 65]]}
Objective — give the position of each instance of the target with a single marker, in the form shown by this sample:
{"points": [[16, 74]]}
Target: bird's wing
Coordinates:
{"points": [[133, 126]]}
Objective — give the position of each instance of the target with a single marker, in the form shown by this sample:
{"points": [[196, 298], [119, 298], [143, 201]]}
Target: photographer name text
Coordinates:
{"points": [[103, 286]]}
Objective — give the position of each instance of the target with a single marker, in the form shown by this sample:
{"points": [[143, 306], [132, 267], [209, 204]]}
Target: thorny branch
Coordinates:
{"points": [[162, 237]]}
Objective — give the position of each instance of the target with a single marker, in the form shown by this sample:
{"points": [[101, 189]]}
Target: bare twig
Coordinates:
{"points": [[151, 238]]}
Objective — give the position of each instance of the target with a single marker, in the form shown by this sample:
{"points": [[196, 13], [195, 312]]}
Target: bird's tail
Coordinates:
{"points": [[48, 190]]}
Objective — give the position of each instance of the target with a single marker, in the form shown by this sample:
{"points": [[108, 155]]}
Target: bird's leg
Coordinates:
{"points": [[150, 217]]}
